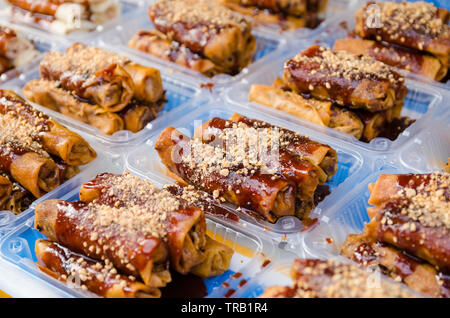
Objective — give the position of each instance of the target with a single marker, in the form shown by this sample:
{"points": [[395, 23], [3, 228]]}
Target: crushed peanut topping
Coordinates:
{"points": [[210, 14], [398, 17], [428, 204], [348, 65], [332, 279]]}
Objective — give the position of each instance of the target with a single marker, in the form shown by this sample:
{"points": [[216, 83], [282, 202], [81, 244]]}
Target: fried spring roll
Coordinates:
{"points": [[354, 81], [6, 187], [131, 239], [321, 155], [66, 172], [416, 25], [147, 81], [97, 277], [156, 43], [207, 168], [187, 226], [20, 199], [138, 114], [416, 274], [411, 213], [17, 49], [319, 112], [46, 7], [217, 261], [426, 65], [207, 28], [55, 138], [303, 173], [50, 95], [104, 80]]}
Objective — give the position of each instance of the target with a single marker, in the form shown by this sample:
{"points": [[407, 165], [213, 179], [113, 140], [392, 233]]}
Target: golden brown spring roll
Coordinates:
{"points": [[55, 138], [354, 81], [314, 278], [156, 43], [105, 82], [217, 261], [50, 95], [411, 213], [207, 168], [423, 64], [321, 155], [416, 25], [207, 28], [225, 134], [100, 278], [131, 239], [319, 112], [5, 191], [138, 114], [147, 81], [416, 274], [186, 229]]}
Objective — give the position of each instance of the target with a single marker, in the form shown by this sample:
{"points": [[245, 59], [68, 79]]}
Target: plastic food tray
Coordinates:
{"points": [[423, 147]]}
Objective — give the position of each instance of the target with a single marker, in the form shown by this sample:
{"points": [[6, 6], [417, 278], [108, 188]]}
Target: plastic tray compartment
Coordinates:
{"points": [[17, 247], [422, 103], [145, 160], [128, 9], [267, 49], [177, 93], [345, 23]]}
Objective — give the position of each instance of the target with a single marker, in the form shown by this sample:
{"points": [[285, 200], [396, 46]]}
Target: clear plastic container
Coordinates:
{"points": [[345, 23], [128, 9], [423, 103], [177, 93], [145, 160], [268, 48], [17, 247]]}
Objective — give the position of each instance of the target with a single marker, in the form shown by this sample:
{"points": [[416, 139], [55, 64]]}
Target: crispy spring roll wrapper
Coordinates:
{"points": [[186, 229], [55, 138], [412, 215], [396, 56], [207, 168], [321, 155], [319, 112], [208, 29], [354, 81], [302, 172], [50, 95], [98, 277], [415, 273], [91, 73], [22, 157], [6, 187], [147, 81], [138, 114], [217, 261], [415, 25], [131, 239], [158, 44]]}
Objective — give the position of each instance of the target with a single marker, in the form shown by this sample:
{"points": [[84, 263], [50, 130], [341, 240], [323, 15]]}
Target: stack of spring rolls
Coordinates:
{"points": [[124, 236], [350, 93], [36, 153], [63, 16], [258, 167], [409, 35], [408, 236], [314, 278], [199, 34], [98, 87], [289, 14], [15, 50]]}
